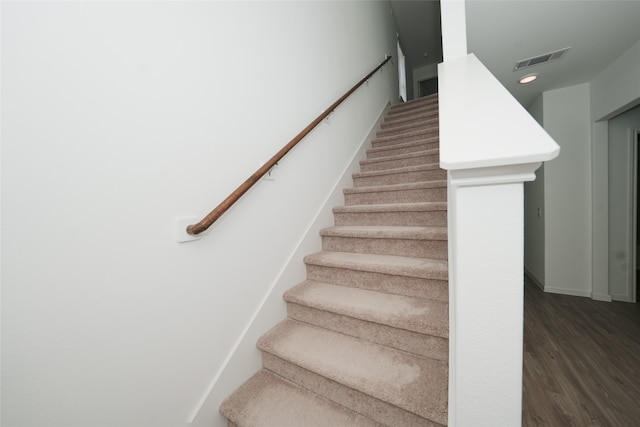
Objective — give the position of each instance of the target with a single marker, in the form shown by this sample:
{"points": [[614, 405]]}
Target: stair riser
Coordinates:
{"points": [[412, 107], [388, 141], [400, 178], [395, 132], [399, 116], [362, 403], [418, 160], [435, 347], [393, 284], [433, 249], [416, 119], [398, 130], [409, 121], [409, 219], [374, 154], [436, 194]]}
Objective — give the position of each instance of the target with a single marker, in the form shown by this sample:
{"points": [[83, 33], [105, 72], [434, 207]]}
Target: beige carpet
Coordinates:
{"points": [[366, 338]]}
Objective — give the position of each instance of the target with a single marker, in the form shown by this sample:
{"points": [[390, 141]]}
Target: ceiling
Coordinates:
{"points": [[419, 24], [501, 32]]}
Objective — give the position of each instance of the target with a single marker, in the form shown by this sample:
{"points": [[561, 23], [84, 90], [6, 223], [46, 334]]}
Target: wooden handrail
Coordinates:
{"points": [[208, 220]]}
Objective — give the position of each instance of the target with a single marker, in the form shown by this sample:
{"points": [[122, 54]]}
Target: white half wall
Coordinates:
{"points": [[118, 118], [486, 170], [567, 191]]}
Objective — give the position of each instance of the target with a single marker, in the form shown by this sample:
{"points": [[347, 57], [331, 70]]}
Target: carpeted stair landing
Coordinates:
{"points": [[366, 338]]}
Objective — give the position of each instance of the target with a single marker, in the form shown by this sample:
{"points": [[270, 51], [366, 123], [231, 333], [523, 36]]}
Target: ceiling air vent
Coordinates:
{"points": [[540, 59]]}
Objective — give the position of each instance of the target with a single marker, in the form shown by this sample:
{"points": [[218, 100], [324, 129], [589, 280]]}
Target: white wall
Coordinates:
{"points": [[534, 213], [621, 168], [120, 117], [616, 88], [568, 192], [454, 29]]}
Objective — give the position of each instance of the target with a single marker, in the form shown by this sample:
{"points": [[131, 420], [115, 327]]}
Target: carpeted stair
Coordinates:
{"points": [[366, 338]]}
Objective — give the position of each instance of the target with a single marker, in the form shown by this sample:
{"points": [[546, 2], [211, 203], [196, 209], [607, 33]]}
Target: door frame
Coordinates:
{"points": [[634, 141], [402, 72]]}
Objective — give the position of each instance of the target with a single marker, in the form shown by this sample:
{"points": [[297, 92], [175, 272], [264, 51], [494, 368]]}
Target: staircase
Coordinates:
{"points": [[366, 338]]}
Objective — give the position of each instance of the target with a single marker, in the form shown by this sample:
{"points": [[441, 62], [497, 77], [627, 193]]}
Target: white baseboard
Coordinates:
{"points": [[602, 297], [533, 278], [621, 297], [571, 292]]}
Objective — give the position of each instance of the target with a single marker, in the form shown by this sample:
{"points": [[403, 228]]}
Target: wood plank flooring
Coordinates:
{"points": [[581, 361]]}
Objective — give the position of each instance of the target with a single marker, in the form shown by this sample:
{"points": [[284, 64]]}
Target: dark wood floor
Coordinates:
{"points": [[581, 361]]}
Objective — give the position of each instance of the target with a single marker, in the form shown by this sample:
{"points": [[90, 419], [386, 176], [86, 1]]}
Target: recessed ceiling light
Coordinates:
{"points": [[528, 78]]}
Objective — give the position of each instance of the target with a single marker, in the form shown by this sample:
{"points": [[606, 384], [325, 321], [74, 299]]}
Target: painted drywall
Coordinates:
{"points": [[534, 213], [488, 301], [568, 192], [616, 89], [119, 118], [454, 29], [621, 169]]}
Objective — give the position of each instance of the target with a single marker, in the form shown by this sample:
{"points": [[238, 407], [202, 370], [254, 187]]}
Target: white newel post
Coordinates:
{"points": [[486, 262], [490, 146]]}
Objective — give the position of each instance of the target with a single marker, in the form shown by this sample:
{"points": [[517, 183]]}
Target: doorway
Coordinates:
{"points": [[428, 87]]}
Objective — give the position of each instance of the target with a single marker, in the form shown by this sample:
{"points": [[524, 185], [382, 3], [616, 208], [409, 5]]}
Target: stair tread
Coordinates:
{"points": [[396, 187], [403, 312], [410, 112], [419, 114], [428, 166], [416, 114], [391, 127], [423, 268], [386, 231], [414, 383], [394, 207], [412, 155], [414, 133], [424, 100], [267, 399], [415, 143]]}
